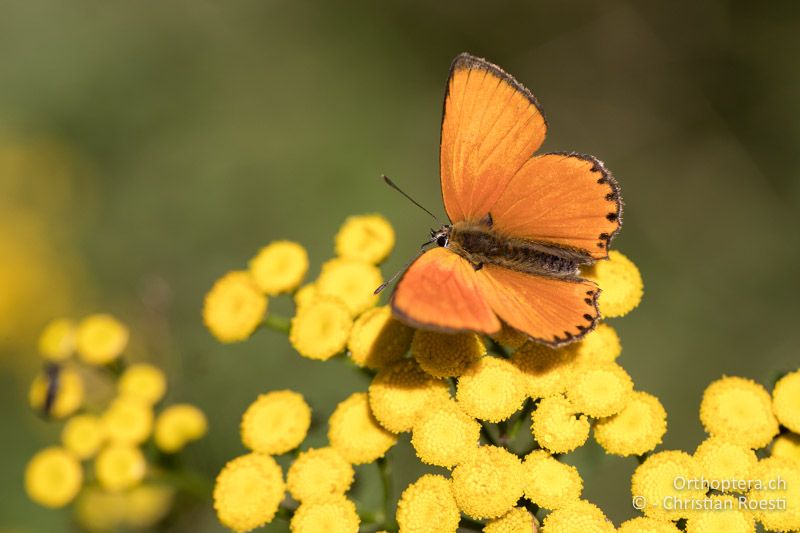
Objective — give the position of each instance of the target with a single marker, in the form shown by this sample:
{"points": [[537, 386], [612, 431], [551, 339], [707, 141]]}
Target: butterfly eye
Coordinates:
{"points": [[441, 240]]}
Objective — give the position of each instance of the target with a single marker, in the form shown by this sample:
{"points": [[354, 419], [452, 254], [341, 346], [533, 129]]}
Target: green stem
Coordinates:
{"points": [[523, 415], [277, 323], [188, 481], [469, 523], [488, 435], [385, 471]]}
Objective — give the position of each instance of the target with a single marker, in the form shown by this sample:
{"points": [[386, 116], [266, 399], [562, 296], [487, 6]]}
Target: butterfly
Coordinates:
{"points": [[521, 225]]}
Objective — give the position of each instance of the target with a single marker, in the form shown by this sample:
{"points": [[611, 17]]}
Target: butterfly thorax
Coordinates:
{"points": [[481, 245]]}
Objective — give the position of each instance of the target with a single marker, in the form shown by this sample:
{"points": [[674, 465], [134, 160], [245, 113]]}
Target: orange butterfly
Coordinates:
{"points": [[521, 225]]}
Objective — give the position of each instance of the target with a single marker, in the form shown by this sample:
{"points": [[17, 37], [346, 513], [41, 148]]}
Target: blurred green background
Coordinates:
{"points": [[148, 147]]}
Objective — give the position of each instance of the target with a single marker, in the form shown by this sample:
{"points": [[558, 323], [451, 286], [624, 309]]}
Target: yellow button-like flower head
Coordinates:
{"points": [[128, 420], [637, 429], [355, 433], [724, 461], [83, 435], [334, 515], [490, 389], [445, 435], [445, 355], [620, 282], [577, 517], [510, 337], [248, 492], [279, 267], [53, 477], [549, 483], [234, 307], [644, 524], [786, 401], [776, 480], [787, 447], [98, 510], [545, 371], [723, 514], [321, 328], [352, 282], [319, 473], [738, 410], [377, 339], [101, 339], [143, 381], [367, 238], [57, 341], [65, 389], [401, 392], [178, 425], [601, 345], [517, 520], [600, 390], [147, 504], [305, 295], [667, 483], [557, 427], [276, 422], [428, 506], [489, 483], [120, 467]]}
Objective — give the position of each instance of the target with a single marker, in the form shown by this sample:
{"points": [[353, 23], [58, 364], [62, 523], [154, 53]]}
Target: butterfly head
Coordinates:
{"points": [[441, 237]]}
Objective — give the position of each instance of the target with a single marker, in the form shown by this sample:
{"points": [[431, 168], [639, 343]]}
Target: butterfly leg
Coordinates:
{"points": [[477, 266], [487, 221]]}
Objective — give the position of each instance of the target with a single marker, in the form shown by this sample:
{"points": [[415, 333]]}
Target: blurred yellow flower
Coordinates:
{"points": [[738, 410], [100, 339], [776, 480], [352, 282], [119, 467], [128, 419], [317, 474], [517, 520], [657, 483], [557, 427], [489, 483], [428, 506], [305, 295], [83, 435], [279, 267], [445, 435], [65, 389], [99, 510], [725, 515], [644, 524], [178, 425], [248, 492], [545, 371], [601, 345], [510, 337], [620, 282], [400, 392], [147, 504], [354, 432], [445, 355], [577, 517], [53, 477], [276, 422], [490, 389], [549, 483], [320, 329], [144, 381], [600, 390], [234, 307], [723, 461], [377, 339], [367, 238], [57, 341], [637, 429], [786, 401], [787, 446], [334, 515]]}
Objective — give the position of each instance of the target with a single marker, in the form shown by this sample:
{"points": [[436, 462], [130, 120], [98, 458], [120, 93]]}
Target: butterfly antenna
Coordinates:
{"points": [[405, 267], [394, 186]]}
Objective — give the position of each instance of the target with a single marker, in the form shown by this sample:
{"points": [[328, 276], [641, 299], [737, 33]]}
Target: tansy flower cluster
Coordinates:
{"points": [[116, 436]]}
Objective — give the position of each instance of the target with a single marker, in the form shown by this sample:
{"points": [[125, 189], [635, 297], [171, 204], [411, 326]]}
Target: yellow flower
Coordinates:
{"points": [[100, 339], [305, 295], [489, 483], [334, 515], [98, 510], [377, 339], [549, 483], [57, 341], [545, 371], [53, 477], [787, 447], [517, 520], [178, 425], [445, 355], [400, 392], [367, 238], [577, 517], [620, 282], [724, 461], [320, 329], [490, 389], [146, 505], [119, 467], [144, 381], [600, 345], [637, 429], [510, 337], [234, 307], [643, 524], [444, 435], [354, 432], [317, 474], [776, 480], [352, 282], [724, 514], [276, 422], [657, 484], [248, 492], [557, 427], [279, 267], [738, 410], [786, 399], [67, 388], [600, 390], [83, 435], [128, 420], [428, 506]]}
